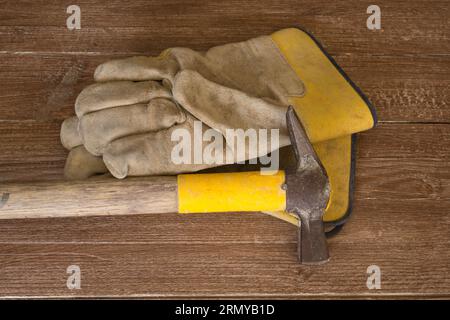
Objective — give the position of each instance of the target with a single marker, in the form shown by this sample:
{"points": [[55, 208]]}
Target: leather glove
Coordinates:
{"points": [[126, 119], [127, 116]]}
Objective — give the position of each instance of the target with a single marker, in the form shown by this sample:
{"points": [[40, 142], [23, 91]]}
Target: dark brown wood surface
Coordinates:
{"points": [[401, 216]]}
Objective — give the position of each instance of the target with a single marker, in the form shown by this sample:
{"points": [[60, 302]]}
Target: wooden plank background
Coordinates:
{"points": [[401, 219]]}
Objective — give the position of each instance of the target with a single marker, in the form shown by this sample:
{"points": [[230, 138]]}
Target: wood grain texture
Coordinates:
{"points": [[223, 270], [238, 255], [401, 215], [97, 196], [148, 26], [395, 142], [408, 89]]}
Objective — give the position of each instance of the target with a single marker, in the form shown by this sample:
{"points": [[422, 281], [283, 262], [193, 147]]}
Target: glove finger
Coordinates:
{"points": [[151, 153], [137, 69], [69, 134], [80, 164], [105, 95], [99, 128], [226, 108]]}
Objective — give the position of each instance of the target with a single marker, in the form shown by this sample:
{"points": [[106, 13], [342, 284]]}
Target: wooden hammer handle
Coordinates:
{"points": [[92, 197]]}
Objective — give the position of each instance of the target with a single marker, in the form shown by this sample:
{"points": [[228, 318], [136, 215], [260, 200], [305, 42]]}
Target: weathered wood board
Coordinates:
{"points": [[401, 215]]}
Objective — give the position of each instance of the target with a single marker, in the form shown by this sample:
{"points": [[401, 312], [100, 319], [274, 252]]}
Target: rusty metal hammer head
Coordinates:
{"points": [[307, 193]]}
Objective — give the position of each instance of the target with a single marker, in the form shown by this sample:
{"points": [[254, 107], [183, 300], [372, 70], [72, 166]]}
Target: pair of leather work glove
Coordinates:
{"points": [[124, 121]]}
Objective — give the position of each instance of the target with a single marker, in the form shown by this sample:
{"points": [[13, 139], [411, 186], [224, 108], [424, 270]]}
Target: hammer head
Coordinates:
{"points": [[308, 192]]}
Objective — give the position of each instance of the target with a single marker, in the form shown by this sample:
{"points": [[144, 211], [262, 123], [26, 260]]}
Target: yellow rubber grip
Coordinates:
{"points": [[228, 192]]}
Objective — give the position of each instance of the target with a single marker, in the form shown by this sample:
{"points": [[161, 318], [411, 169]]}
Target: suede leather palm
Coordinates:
{"points": [[124, 121]]}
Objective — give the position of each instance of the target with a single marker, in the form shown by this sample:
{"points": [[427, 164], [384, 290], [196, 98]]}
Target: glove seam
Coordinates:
{"points": [[283, 58]]}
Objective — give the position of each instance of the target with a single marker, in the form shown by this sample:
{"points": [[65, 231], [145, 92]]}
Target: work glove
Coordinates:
{"points": [[125, 121], [127, 117]]}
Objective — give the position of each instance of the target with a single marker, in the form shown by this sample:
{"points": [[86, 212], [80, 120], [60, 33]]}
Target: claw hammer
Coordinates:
{"points": [[303, 190]]}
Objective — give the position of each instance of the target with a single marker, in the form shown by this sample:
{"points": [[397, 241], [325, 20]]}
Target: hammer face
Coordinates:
{"points": [[307, 194]]}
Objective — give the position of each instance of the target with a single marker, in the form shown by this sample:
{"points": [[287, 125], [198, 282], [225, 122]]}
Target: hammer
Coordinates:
{"points": [[302, 190]]}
